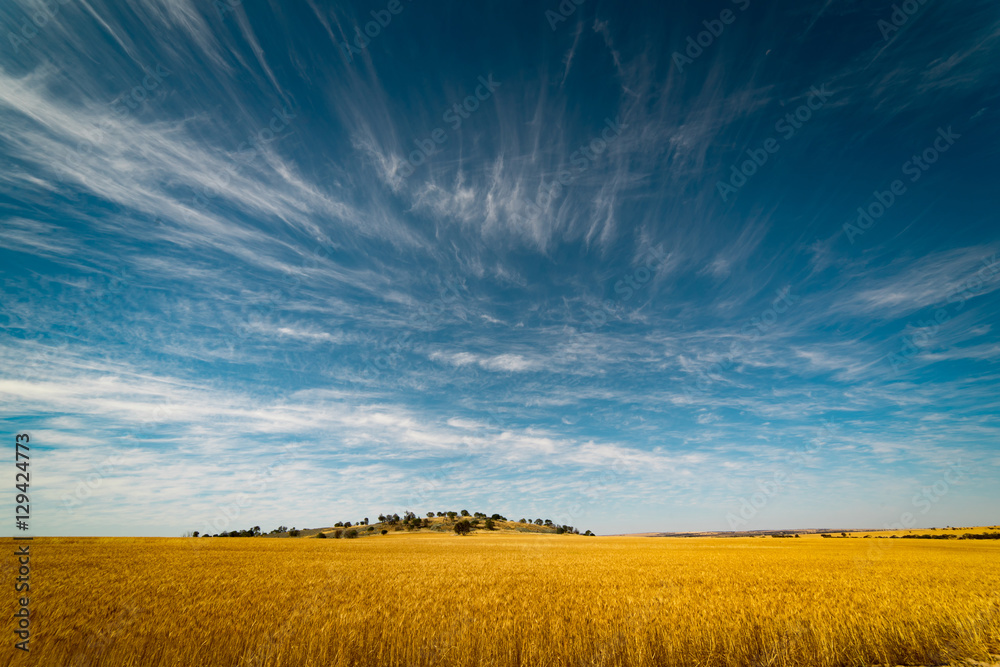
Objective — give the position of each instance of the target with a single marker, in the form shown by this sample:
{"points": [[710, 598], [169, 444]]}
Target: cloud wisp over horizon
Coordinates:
{"points": [[648, 268]]}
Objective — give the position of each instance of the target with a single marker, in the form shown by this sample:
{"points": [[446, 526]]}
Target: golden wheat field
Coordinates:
{"points": [[509, 600]]}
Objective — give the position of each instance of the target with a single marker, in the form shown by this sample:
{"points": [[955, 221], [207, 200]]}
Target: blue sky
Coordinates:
{"points": [[599, 264]]}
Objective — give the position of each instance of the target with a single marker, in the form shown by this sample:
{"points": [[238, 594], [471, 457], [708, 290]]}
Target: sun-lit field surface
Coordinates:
{"points": [[510, 600], [953, 532]]}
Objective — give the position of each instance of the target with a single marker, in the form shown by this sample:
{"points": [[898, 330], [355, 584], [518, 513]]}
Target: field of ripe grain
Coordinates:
{"points": [[508, 600]]}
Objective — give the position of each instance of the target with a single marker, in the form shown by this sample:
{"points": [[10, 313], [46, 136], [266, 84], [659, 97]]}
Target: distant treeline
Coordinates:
{"points": [[939, 536], [249, 532], [965, 536]]}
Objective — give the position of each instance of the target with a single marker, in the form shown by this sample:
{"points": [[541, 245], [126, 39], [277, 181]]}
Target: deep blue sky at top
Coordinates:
{"points": [[237, 290]]}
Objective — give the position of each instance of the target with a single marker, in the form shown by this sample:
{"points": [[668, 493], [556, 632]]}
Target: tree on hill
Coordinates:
{"points": [[430, 515], [489, 525], [463, 527], [381, 518], [465, 512], [538, 522]]}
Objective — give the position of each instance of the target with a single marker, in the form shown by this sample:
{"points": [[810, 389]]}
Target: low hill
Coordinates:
{"points": [[462, 522], [438, 524]]}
